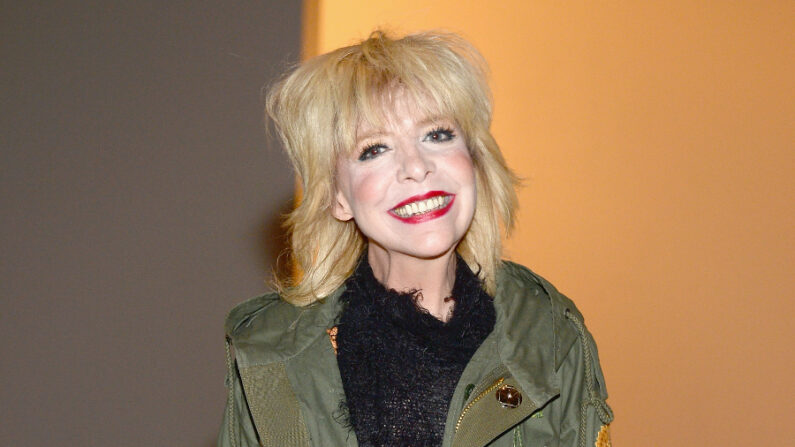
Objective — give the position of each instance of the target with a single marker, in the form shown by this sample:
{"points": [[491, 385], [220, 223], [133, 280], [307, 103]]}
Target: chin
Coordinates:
{"points": [[431, 249]]}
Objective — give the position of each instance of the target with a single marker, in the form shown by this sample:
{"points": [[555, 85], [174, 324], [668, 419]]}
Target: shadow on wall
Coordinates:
{"points": [[138, 207]]}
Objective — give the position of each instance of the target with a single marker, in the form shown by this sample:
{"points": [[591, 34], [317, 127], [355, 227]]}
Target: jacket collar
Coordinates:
{"points": [[532, 338]]}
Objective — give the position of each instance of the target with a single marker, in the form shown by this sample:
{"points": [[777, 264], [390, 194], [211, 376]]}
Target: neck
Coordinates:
{"points": [[433, 277]]}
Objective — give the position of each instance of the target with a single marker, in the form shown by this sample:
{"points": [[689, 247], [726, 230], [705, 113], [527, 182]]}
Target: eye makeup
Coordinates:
{"points": [[440, 134], [371, 151]]}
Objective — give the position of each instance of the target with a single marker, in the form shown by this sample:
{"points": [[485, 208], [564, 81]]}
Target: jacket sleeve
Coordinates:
{"points": [[237, 428], [585, 413]]}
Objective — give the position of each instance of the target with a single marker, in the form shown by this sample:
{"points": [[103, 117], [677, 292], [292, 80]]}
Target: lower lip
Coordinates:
{"points": [[420, 218]]}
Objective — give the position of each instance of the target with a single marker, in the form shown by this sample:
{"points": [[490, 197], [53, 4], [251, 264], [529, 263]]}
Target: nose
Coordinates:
{"points": [[415, 164]]}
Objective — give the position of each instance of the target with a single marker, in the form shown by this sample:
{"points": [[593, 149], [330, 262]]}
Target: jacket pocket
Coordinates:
{"points": [[273, 405]]}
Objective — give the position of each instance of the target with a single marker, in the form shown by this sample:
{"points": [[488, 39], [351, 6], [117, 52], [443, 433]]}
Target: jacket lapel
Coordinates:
{"points": [[315, 378], [523, 352]]}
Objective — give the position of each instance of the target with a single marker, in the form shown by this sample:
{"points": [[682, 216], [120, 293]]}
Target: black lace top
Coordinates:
{"points": [[399, 364]]}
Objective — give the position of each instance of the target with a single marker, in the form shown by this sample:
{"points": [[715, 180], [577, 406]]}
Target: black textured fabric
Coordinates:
{"points": [[399, 364]]}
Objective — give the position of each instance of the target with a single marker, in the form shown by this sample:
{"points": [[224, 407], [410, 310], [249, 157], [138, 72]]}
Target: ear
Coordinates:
{"points": [[341, 209]]}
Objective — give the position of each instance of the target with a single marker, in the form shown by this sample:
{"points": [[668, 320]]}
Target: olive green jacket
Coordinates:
{"points": [[285, 387]]}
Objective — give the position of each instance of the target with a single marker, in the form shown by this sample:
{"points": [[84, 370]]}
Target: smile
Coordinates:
{"points": [[423, 207]]}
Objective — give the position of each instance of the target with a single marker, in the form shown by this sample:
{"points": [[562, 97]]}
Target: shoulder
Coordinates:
{"points": [[534, 309], [266, 328], [257, 313], [238, 318], [519, 281]]}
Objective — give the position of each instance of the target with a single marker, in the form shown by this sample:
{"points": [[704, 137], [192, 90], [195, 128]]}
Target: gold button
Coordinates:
{"points": [[509, 397]]}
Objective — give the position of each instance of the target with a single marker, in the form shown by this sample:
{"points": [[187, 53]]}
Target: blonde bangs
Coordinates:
{"points": [[317, 109]]}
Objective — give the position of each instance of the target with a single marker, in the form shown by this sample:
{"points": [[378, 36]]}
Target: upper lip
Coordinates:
{"points": [[419, 197]]}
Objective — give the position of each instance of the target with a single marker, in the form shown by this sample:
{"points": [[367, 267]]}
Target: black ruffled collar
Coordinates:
{"points": [[368, 298]]}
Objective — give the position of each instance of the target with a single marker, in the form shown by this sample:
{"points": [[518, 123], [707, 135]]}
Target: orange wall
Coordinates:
{"points": [[656, 140]]}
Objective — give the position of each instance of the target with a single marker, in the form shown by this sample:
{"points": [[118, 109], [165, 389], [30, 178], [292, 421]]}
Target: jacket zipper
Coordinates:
{"points": [[474, 401]]}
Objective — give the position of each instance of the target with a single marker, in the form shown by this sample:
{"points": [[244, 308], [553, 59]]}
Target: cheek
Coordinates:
{"points": [[366, 188], [462, 171], [461, 168]]}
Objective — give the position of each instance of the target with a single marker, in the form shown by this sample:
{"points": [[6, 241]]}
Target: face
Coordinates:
{"points": [[410, 185]]}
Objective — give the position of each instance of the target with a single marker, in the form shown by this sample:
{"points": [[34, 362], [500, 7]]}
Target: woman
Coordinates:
{"points": [[404, 327]]}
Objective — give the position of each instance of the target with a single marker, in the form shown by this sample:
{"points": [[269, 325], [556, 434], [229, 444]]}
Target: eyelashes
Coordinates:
{"points": [[441, 134], [372, 151]]}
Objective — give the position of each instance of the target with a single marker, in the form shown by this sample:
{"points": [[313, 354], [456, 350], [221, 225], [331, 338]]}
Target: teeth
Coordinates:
{"points": [[423, 206]]}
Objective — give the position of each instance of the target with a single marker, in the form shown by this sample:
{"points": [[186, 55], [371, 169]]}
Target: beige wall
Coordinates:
{"points": [[656, 140]]}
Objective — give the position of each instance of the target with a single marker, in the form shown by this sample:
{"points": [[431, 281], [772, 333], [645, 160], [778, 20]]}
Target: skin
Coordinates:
{"points": [[410, 155]]}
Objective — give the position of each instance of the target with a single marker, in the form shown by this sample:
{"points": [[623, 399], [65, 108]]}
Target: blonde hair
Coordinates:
{"points": [[316, 110]]}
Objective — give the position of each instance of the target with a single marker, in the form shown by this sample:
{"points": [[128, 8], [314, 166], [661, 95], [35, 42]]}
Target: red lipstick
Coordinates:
{"points": [[411, 218]]}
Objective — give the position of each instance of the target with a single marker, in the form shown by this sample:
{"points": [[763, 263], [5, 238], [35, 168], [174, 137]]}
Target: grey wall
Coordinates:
{"points": [[139, 200]]}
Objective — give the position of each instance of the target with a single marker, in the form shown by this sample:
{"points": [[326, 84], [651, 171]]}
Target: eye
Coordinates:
{"points": [[372, 151], [439, 135]]}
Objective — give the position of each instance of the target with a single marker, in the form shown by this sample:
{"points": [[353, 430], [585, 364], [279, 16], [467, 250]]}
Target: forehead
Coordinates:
{"points": [[397, 107]]}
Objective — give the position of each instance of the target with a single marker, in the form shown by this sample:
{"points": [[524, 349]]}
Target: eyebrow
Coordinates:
{"points": [[435, 119], [380, 132], [369, 135]]}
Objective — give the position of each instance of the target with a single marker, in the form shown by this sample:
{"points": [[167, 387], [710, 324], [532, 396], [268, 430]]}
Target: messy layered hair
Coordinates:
{"points": [[316, 110]]}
